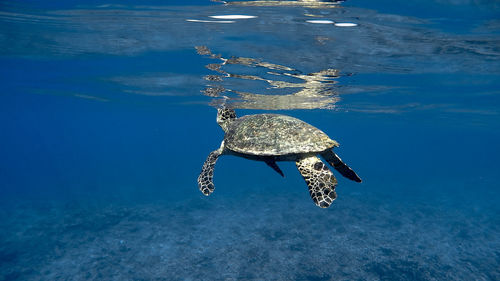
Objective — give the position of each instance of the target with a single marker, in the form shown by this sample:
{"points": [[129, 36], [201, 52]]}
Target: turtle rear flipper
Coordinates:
{"points": [[334, 160], [319, 179], [205, 179], [272, 163]]}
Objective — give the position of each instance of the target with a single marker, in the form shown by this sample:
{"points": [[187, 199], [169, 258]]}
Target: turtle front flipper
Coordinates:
{"points": [[205, 179], [319, 179], [334, 160]]}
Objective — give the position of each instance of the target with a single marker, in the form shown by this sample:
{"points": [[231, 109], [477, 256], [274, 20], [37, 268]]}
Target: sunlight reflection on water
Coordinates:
{"points": [[353, 41]]}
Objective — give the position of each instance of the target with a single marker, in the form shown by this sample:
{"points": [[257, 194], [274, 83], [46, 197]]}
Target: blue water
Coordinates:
{"points": [[107, 113]]}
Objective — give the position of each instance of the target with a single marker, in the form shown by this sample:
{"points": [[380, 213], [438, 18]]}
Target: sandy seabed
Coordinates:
{"points": [[259, 237]]}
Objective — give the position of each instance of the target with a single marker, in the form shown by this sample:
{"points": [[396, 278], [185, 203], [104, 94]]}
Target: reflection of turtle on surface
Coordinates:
{"points": [[274, 137]]}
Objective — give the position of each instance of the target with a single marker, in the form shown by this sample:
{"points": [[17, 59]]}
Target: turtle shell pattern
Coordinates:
{"points": [[275, 135]]}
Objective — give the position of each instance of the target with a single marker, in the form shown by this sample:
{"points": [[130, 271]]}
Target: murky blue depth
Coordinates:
{"points": [[107, 113]]}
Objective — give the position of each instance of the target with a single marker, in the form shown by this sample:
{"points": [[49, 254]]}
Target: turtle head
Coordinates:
{"points": [[225, 116]]}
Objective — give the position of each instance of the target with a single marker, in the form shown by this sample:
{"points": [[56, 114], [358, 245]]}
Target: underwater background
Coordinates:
{"points": [[107, 113]]}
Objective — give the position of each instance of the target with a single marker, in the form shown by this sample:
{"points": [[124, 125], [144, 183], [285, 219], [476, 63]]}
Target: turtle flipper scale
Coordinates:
{"points": [[319, 179], [205, 179]]}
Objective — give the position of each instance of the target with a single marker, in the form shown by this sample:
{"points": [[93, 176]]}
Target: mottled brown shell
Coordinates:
{"points": [[274, 135]]}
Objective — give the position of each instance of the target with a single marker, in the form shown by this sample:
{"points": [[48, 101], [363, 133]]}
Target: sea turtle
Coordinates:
{"points": [[276, 137]]}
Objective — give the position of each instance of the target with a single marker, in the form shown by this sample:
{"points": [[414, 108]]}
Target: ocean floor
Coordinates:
{"points": [[264, 236]]}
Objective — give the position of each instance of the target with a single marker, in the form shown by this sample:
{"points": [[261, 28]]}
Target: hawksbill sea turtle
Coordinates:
{"points": [[275, 137]]}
